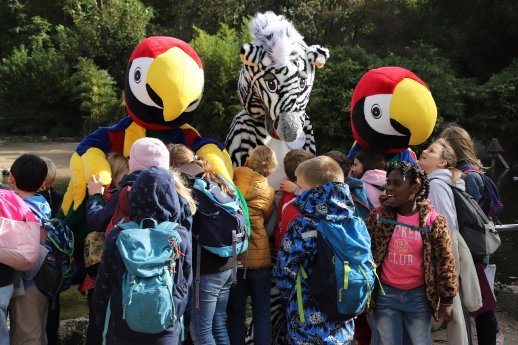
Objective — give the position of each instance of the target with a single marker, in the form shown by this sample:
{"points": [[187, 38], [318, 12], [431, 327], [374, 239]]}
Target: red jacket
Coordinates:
{"points": [[286, 212]]}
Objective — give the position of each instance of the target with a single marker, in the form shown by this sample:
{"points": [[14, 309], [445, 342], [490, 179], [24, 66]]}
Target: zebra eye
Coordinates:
{"points": [[272, 85], [302, 83]]}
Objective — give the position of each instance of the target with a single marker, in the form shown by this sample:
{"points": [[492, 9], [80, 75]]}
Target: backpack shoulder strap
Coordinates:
{"points": [[395, 222], [167, 225], [128, 225]]}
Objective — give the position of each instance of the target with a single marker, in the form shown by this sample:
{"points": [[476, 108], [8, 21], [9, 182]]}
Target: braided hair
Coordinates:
{"points": [[415, 175]]}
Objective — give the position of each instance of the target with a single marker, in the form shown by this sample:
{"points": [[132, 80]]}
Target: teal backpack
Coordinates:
{"points": [[149, 255]]}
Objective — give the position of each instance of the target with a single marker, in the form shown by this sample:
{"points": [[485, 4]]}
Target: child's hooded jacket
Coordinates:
{"points": [[333, 202], [153, 196]]}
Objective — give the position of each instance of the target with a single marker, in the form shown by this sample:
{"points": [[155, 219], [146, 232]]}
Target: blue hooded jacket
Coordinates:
{"points": [[333, 202], [153, 196]]}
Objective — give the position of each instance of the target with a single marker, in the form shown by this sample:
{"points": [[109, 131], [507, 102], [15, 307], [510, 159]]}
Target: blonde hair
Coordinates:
{"points": [[320, 170], [462, 144], [262, 160], [448, 154], [184, 191], [179, 154], [51, 172], [118, 164]]}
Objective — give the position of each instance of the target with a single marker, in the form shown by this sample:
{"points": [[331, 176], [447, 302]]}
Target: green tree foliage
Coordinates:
{"points": [[95, 91], [493, 109], [221, 65], [34, 88], [104, 31]]}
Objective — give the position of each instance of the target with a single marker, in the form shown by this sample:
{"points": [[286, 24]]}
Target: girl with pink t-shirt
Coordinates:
{"points": [[411, 246]]}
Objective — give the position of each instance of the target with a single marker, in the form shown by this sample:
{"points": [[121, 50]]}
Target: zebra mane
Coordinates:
{"points": [[277, 36]]}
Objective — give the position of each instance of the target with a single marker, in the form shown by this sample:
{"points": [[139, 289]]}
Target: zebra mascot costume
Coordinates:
{"points": [[274, 87]]}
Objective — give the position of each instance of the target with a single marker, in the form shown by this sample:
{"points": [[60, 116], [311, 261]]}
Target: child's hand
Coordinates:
{"points": [[288, 186], [445, 313], [95, 186]]}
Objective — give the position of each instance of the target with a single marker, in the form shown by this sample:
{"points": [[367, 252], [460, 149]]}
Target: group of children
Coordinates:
{"points": [[412, 225]]}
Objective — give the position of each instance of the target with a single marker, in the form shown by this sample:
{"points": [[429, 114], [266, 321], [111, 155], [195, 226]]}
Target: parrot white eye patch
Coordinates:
{"points": [[137, 77], [377, 114]]}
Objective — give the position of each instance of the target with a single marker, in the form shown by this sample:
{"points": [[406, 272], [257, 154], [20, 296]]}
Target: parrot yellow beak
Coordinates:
{"points": [[411, 100], [177, 80]]}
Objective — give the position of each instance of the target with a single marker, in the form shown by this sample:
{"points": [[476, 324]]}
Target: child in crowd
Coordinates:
{"points": [[369, 166], [411, 246], [144, 153], [119, 167], [341, 159], [438, 161], [255, 278], [323, 193], [286, 212], [28, 311], [53, 197], [488, 331], [153, 195], [208, 322]]}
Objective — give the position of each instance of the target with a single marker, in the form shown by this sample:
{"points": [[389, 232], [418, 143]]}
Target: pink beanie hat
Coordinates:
{"points": [[148, 152]]}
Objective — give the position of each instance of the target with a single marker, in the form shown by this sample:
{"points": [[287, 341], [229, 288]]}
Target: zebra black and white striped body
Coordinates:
{"points": [[274, 87], [246, 133]]}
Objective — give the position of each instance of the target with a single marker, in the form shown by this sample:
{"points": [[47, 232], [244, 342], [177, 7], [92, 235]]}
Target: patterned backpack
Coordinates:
{"points": [[58, 269]]}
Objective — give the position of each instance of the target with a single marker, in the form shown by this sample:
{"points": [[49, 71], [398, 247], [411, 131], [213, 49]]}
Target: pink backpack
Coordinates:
{"points": [[19, 232]]}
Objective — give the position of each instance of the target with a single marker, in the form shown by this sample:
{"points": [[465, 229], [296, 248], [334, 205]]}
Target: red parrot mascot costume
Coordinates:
{"points": [[164, 84], [391, 109]]}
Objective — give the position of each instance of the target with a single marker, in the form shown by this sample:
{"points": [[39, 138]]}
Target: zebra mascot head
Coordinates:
{"points": [[277, 75]]}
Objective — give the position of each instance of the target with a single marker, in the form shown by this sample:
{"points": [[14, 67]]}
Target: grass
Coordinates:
{"points": [[73, 304]]}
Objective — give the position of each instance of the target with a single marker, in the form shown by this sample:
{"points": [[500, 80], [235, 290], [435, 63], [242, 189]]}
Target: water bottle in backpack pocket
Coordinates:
{"points": [[58, 269], [343, 274], [150, 256]]}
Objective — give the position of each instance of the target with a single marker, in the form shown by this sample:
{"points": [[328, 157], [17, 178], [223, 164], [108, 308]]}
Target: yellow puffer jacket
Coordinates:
{"points": [[259, 198]]}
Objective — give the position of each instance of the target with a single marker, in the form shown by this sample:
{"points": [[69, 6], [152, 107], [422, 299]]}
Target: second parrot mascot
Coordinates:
{"points": [[164, 84], [274, 87], [391, 109]]}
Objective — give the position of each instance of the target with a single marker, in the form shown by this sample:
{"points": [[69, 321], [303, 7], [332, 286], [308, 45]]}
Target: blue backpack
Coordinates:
{"points": [[344, 271], [491, 203], [221, 222], [58, 269], [362, 205], [149, 255]]}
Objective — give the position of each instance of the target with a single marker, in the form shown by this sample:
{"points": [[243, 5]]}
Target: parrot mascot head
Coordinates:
{"points": [[392, 109], [164, 83]]}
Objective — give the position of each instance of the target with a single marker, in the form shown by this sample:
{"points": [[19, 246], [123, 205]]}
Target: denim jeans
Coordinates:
{"points": [[403, 317], [5, 296], [257, 284], [207, 324]]}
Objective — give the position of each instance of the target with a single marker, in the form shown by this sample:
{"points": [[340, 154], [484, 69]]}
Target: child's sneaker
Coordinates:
{"points": [[500, 338]]}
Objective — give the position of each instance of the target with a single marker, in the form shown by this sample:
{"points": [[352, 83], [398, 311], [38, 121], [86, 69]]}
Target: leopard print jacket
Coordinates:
{"points": [[439, 263]]}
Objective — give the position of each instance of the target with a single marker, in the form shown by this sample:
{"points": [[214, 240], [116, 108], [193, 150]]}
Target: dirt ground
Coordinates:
{"points": [[60, 153]]}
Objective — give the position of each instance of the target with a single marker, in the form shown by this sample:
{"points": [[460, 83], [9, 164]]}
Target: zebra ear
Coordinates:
{"points": [[317, 55], [252, 55]]}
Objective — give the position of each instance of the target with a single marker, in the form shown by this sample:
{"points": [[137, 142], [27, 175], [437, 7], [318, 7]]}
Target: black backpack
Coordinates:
{"points": [[476, 228]]}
